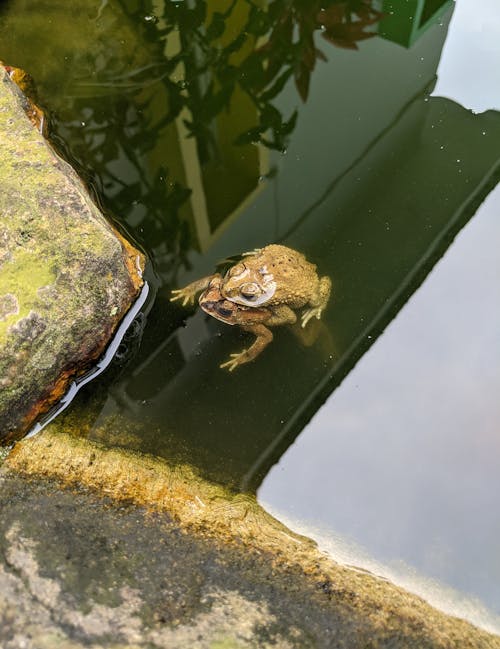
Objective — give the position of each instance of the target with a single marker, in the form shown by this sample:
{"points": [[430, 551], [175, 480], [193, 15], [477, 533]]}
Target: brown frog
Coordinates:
{"points": [[250, 319], [278, 276], [261, 291]]}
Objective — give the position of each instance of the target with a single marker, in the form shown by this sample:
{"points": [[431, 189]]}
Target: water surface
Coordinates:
{"points": [[208, 132]]}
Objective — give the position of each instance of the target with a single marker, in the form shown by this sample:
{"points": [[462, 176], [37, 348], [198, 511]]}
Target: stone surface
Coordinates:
{"points": [[66, 276], [103, 548]]}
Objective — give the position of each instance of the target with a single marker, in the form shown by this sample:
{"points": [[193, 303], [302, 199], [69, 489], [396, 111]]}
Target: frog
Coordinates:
{"points": [[261, 290], [278, 276], [251, 319]]}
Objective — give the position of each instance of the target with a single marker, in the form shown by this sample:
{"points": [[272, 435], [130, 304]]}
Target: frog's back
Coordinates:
{"points": [[295, 277]]}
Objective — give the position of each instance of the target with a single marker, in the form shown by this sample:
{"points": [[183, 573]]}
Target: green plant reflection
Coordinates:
{"points": [[378, 178], [242, 46], [163, 88]]}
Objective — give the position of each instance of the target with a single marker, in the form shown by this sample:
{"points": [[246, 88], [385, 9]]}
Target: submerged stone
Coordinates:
{"points": [[66, 276]]}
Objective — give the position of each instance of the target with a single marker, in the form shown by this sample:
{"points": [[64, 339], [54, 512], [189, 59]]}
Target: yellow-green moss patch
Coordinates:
{"points": [[22, 277]]}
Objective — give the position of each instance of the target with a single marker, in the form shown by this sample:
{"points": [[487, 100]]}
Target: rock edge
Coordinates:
{"points": [[67, 277]]}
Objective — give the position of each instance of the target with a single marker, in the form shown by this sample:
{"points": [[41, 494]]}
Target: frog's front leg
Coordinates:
{"points": [[263, 337], [189, 292]]}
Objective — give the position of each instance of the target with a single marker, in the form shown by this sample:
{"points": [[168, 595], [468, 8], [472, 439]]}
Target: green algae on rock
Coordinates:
{"points": [[66, 276]]}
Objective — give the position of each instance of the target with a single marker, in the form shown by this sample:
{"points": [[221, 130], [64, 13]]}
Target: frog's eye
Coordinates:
{"points": [[250, 290], [225, 309]]}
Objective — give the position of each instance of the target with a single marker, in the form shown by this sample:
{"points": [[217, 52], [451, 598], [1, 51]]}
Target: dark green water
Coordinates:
{"points": [[208, 133], [196, 139]]}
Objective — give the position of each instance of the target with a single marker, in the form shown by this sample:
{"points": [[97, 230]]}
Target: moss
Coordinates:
{"points": [[66, 280], [23, 276], [226, 643], [4, 451]]}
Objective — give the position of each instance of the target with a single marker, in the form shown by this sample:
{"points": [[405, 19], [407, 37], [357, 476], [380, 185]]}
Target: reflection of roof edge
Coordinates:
{"points": [[362, 343], [467, 108], [407, 32], [424, 90]]}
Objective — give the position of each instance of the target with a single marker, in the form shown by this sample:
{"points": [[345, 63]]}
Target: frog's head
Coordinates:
{"points": [[248, 287], [216, 305]]}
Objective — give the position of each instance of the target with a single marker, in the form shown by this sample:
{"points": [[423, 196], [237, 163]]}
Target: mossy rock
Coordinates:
{"points": [[66, 276]]}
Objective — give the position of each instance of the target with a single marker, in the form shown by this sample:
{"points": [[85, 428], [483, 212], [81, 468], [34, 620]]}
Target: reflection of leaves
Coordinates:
{"points": [[291, 40], [277, 86], [288, 28], [270, 120], [214, 65], [347, 33], [216, 27], [125, 109]]}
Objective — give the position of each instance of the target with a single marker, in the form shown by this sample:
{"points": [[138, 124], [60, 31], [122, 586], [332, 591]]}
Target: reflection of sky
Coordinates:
{"points": [[469, 70], [404, 458]]}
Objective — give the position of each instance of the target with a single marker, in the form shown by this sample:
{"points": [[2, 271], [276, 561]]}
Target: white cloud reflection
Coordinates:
{"points": [[469, 69], [404, 458]]}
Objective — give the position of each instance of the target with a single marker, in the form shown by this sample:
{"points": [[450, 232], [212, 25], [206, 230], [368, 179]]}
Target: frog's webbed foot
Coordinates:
{"points": [[185, 294], [264, 337], [235, 360], [189, 292], [315, 311]]}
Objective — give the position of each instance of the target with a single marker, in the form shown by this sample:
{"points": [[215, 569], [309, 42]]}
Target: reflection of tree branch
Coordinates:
{"points": [[288, 28], [257, 53]]}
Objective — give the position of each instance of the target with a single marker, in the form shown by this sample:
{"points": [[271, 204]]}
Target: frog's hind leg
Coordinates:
{"points": [[319, 301], [263, 337], [282, 315]]}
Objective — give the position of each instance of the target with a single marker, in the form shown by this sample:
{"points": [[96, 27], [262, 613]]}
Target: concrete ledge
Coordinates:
{"points": [[366, 610]]}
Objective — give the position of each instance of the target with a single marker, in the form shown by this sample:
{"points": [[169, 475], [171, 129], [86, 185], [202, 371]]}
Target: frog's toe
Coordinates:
{"points": [[235, 360], [311, 313], [186, 296]]}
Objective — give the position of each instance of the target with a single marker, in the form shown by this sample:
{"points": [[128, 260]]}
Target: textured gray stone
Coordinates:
{"points": [[167, 560], [66, 276], [77, 572]]}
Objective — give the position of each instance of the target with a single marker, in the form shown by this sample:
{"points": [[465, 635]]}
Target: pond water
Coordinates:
{"points": [[368, 141]]}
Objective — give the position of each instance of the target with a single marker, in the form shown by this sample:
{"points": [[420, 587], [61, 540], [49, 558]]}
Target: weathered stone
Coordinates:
{"points": [[66, 276], [180, 562]]}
